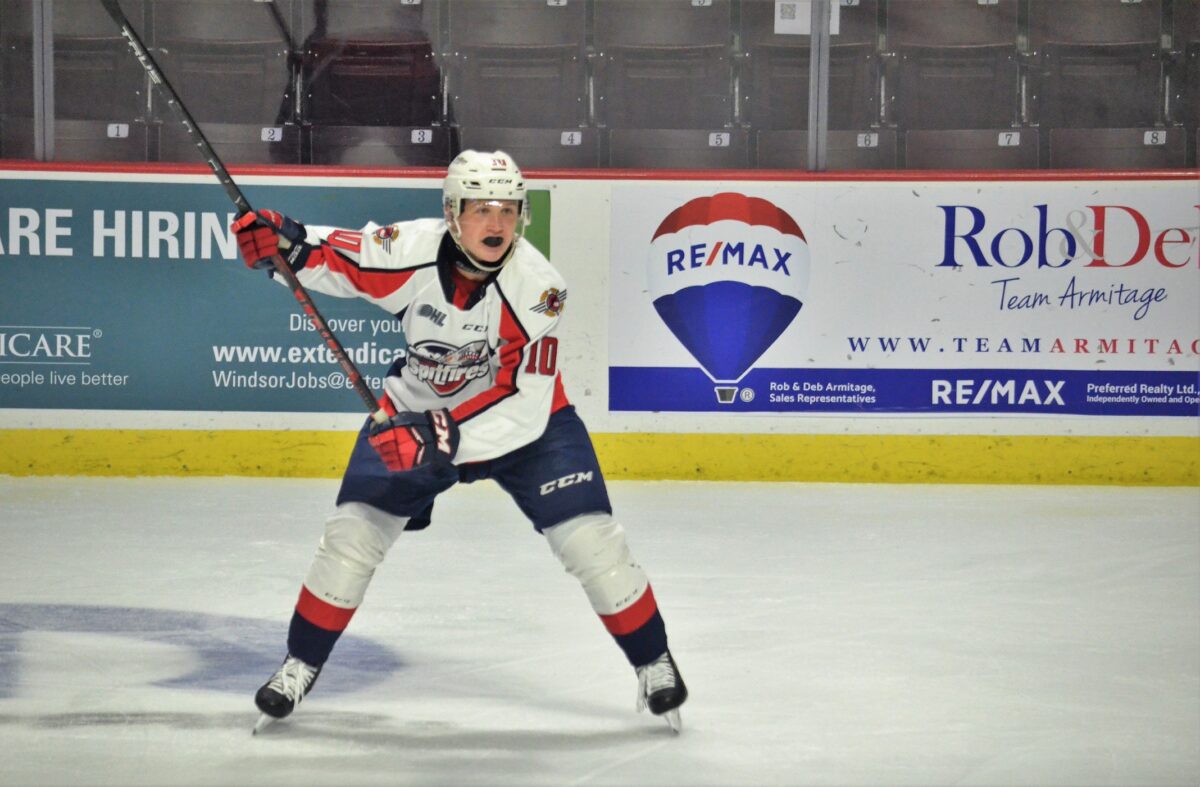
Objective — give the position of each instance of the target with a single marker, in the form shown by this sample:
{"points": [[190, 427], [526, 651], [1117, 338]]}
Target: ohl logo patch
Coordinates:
{"points": [[728, 274]]}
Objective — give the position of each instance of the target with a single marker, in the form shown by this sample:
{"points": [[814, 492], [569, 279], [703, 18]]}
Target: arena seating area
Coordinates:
{"points": [[696, 84]]}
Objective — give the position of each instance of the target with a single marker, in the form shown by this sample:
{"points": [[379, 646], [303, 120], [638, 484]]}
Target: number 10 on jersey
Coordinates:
{"points": [[543, 356]]}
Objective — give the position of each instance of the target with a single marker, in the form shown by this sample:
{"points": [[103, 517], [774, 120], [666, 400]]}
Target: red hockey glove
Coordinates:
{"points": [[408, 440], [258, 236]]}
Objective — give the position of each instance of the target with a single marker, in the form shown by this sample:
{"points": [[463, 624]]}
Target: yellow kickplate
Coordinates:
{"points": [[942, 459]]}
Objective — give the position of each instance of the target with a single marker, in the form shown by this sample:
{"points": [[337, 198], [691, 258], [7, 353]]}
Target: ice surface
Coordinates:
{"points": [[850, 635]]}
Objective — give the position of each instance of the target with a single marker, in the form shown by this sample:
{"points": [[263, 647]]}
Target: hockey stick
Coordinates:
{"points": [[277, 18], [243, 206], [292, 57]]}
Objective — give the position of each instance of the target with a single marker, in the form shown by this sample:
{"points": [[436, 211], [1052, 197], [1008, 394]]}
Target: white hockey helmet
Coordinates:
{"points": [[475, 174]]}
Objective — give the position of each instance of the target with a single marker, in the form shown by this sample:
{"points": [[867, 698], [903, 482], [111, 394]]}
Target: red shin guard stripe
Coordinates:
{"points": [[632, 617], [321, 613]]}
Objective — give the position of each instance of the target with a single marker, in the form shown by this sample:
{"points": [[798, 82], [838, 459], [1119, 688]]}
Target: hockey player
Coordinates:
{"points": [[477, 395]]}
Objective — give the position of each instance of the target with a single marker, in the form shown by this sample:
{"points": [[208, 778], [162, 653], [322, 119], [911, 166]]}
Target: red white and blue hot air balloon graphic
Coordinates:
{"points": [[728, 274]]}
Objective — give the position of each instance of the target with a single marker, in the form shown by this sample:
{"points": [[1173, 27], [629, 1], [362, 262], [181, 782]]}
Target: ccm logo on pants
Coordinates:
{"points": [[567, 480]]}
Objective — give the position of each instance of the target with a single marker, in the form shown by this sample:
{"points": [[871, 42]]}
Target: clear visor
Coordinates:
{"points": [[501, 208]]}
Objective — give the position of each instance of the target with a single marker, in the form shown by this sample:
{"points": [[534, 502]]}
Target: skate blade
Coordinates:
{"points": [[263, 722], [673, 720]]}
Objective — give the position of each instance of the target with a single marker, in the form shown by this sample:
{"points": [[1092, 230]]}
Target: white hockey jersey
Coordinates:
{"points": [[490, 356]]}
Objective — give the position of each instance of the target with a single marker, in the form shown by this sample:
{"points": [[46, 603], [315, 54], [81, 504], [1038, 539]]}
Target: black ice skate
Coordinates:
{"points": [[661, 689], [283, 692]]}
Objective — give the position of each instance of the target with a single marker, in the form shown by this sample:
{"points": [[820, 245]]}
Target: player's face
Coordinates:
{"points": [[487, 227]]}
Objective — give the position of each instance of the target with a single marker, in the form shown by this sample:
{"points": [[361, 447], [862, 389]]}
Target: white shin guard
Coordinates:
{"points": [[356, 539], [592, 549]]}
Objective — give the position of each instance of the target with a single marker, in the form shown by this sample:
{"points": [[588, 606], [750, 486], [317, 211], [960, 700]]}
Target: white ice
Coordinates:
{"points": [[829, 634]]}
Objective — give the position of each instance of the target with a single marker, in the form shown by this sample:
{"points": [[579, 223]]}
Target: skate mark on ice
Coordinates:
{"points": [[397, 733], [637, 755]]}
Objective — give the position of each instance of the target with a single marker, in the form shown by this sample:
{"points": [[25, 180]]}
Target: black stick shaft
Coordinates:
{"points": [[240, 202], [277, 18]]}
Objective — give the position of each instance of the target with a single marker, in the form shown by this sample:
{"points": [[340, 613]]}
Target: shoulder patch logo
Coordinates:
{"points": [[384, 236], [551, 303]]}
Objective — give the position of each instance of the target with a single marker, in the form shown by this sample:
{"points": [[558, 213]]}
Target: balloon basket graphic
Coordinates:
{"points": [[726, 393]]}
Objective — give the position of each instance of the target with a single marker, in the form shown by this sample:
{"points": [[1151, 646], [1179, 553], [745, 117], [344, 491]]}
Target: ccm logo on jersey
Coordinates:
{"points": [[565, 481]]}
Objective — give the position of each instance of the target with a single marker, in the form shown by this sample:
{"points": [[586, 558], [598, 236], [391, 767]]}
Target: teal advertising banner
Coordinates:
{"points": [[128, 294]]}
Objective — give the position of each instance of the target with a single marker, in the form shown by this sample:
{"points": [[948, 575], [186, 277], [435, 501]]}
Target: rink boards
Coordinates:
{"points": [[908, 327]]}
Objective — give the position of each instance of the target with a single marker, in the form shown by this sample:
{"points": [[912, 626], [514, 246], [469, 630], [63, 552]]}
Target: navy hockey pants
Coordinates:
{"points": [[552, 479]]}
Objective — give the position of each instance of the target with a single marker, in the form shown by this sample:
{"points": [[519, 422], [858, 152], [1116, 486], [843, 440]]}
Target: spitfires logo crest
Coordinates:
{"points": [[446, 368], [727, 274], [551, 303]]}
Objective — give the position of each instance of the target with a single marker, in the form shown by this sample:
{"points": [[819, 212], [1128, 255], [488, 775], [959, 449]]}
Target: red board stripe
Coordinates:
{"points": [[321, 613]]}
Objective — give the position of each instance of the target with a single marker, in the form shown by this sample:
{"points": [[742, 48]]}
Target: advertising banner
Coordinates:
{"points": [[128, 293], [941, 297]]}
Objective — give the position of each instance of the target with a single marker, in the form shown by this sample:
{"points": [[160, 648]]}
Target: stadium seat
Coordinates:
{"points": [[370, 63], [78, 140], [678, 149], [96, 77], [955, 64], [774, 84], [663, 63], [351, 18], [1011, 148], [91, 140], [16, 78], [515, 22], [662, 22], [16, 137], [517, 63], [387, 146], [538, 148], [1118, 148], [1100, 62], [227, 59], [99, 90], [1191, 91], [234, 143], [387, 81], [845, 150], [16, 59], [1186, 42], [519, 85]]}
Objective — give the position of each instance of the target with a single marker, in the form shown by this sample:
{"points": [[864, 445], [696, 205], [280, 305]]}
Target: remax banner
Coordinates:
{"points": [[126, 292], [1007, 296]]}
